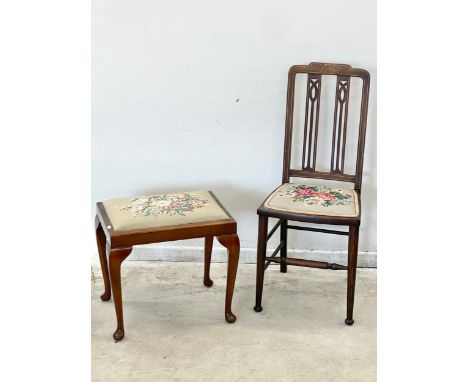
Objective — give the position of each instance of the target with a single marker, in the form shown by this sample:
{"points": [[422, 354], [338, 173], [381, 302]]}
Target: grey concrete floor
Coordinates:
{"points": [[175, 328]]}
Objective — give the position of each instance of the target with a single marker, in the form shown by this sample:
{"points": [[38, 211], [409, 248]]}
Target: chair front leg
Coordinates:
{"points": [[353, 244], [231, 242], [261, 254], [101, 245], [116, 257], [208, 249]]}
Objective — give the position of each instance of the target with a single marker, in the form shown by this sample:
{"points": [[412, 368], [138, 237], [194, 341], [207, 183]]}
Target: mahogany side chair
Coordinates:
{"points": [[317, 203]]}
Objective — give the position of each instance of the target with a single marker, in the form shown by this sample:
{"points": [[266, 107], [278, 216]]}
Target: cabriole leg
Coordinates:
{"points": [[116, 257], [231, 242], [101, 244], [208, 249]]}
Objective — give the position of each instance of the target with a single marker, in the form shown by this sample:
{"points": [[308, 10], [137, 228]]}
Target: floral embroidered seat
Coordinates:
{"points": [[314, 200], [153, 211]]}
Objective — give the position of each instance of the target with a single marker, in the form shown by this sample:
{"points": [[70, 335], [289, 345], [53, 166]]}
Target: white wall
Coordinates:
{"points": [[191, 95]]}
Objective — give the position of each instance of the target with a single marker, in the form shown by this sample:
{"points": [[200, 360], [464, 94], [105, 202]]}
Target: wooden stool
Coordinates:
{"points": [[123, 223]]}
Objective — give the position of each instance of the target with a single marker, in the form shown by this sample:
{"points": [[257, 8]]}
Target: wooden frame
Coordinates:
{"points": [[115, 246], [314, 72]]}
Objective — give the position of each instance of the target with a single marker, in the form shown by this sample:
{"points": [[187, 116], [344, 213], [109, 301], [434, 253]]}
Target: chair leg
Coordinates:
{"points": [[101, 244], [116, 257], [352, 264], [231, 242], [208, 249], [261, 254], [284, 249]]}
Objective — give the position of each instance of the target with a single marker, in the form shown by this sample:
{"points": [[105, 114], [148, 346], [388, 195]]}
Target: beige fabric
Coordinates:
{"points": [[314, 200], [153, 211]]}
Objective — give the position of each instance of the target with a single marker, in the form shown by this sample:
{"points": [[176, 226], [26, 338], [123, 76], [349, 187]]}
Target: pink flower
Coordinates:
{"points": [[325, 196], [175, 206], [319, 195], [305, 192]]}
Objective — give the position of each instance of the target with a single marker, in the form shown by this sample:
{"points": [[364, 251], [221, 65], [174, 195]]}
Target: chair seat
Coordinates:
{"points": [[155, 211], [313, 200]]}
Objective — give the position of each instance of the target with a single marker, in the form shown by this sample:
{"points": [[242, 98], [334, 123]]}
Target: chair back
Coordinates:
{"points": [[315, 72]]}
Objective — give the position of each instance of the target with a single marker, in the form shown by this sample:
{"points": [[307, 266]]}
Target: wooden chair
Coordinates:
{"points": [[123, 223], [319, 204]]}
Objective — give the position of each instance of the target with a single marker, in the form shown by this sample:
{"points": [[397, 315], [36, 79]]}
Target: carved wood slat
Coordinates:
{"points": [[340, 124], [311, 121], [322, 175]]}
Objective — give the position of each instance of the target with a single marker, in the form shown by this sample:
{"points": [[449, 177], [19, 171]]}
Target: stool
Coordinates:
{"points": [[125, 222]]}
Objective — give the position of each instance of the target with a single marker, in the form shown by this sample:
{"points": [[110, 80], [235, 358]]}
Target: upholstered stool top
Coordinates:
{"points": [[163, 210], [314, 200]]}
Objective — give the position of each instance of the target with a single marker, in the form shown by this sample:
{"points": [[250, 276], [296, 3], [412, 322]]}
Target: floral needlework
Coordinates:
{"points": [[313, 195], [168, 204]]}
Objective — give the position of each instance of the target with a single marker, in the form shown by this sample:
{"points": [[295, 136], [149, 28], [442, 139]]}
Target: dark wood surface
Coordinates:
{"points": [[315, 72], [115, 246]]}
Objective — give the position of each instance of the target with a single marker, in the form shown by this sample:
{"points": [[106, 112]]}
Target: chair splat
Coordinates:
{"points": [[311, 122], [340, 124]]}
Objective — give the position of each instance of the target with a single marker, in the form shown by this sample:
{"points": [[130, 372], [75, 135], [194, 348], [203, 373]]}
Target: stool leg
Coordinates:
{"points": [[261, 254], [352, 264], [284, 250], [101, 244], [231, 242], [208, 249], [116, 257]]}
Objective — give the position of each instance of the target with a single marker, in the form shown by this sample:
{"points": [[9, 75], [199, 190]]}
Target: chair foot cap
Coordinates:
{"points": [[208, 283], [349, 321], [258, 308]]}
